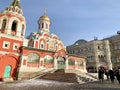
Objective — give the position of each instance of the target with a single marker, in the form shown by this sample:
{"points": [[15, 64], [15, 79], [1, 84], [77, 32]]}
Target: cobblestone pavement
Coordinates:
{"points": [[38, 84], [106, 85]]}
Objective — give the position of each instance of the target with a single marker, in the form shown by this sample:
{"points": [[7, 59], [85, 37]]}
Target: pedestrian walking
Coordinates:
{"points": [[107, 74], [101, 74], [112, 77], [117, 74]]}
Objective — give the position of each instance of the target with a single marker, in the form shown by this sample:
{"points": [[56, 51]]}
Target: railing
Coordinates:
{"points": [[94, 76], [84, 79]]}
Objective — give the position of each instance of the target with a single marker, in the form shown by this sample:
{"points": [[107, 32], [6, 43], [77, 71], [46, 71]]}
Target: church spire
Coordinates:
{"points": [[16, 3], [15, 8], [44, 11]]}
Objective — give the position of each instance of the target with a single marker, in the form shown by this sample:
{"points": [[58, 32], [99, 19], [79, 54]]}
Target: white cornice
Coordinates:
{"points": [[11, 37]]}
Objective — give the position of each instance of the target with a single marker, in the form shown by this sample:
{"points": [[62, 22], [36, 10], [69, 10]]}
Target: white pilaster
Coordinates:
{"points": [[66, 63], [75, 64], [55, 63]]}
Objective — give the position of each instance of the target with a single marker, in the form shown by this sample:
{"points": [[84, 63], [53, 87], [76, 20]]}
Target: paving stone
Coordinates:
{"points": [[40, 84]]}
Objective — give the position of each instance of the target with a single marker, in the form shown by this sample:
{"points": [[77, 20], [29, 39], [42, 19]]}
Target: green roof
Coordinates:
{"points": [[16, 3]]}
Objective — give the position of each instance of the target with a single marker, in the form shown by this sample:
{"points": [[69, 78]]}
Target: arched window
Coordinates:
{"points": [[13, 9], [80, 63], [42, 45], [71, 62], [98, 47], [14, 26], [32, 57], [3, 24], [42, 25], [101, 58], [48, 59]]}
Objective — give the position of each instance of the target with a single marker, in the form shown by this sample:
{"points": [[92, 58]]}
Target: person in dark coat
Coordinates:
{"points": [[101, 74], [112, 77], [107, 74], [117, 74]]}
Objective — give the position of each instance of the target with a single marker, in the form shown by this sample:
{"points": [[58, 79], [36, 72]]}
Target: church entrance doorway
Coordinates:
{"points": [[7, 71], [61, 63]]}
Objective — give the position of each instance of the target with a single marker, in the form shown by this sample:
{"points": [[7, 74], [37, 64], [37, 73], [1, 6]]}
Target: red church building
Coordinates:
{"points": [[41, 51]]}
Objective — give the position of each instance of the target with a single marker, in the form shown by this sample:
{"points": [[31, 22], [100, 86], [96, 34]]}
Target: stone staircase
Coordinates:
{"points": [[60, 76], [30, 75], [82, 77], [94, 75]]}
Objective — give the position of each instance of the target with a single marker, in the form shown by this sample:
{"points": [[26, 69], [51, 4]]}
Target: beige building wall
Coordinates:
{"points": [[115, 50], [97, 53]]}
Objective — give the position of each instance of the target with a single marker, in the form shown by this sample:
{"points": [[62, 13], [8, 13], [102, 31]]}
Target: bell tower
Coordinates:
{"points": [[12, 21], [44, 23], [12, 31]]}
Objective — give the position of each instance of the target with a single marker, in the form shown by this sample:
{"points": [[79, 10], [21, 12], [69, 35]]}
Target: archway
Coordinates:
{"points": [[48, 61], [61, 63], [33, 60], [14, 26], [9, 66]]}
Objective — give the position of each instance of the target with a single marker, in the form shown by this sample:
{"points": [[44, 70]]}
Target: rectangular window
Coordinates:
{"points": [[6, 44], [15, 46]]}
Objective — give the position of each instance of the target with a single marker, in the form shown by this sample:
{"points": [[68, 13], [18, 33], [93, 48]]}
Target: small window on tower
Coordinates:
{"points": [[15, 46], [6, 44], [14, 26], [42, 45], [42, 25]]}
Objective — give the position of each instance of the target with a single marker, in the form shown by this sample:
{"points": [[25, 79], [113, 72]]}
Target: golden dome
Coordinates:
{"points": [[45, 17]]}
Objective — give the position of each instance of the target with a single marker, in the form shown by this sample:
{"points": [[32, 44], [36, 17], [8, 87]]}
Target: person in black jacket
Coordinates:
{"points": [[112, 77], [101, 74], [117, 74]]}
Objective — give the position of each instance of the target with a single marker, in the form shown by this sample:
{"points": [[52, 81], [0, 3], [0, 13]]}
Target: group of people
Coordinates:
{"points": [[110, 74]]}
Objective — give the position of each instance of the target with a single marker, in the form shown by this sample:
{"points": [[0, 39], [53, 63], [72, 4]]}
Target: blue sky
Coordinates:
{"points": [[72, 20]]}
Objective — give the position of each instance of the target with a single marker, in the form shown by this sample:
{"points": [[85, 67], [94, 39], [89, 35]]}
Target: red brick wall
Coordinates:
{"points": [[76, 59], [2, 39], [49, 65], [26, 52], [11, 60]]}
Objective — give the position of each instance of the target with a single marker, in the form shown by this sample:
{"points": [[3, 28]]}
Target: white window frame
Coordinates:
{"points": [[14, 45], [8, 44]]}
